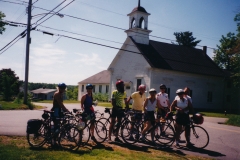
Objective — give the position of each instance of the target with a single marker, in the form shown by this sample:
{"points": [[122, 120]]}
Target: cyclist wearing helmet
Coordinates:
{"points": [[58, 100], [183, 106], [58, 106], [163, 100], [86, 105], [118, 97], [138, 99], [149, 107], [162, 97]]}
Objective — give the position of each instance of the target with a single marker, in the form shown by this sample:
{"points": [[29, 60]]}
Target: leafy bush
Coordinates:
{"points": [[100, 97]]}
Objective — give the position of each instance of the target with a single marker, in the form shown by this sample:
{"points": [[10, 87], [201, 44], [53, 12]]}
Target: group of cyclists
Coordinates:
{"points": [[141, 105]]}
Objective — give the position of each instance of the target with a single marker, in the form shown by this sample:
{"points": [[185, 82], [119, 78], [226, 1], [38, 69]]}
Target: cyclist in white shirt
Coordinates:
{"points": [[164, 104], [183, 106]]}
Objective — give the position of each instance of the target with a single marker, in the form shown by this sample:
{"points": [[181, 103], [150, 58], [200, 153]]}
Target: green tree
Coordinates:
{"points": [[2, 15], [227, 55], [186, 39], [8, 81]]}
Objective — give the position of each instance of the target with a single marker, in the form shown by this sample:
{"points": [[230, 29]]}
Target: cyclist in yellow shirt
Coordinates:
{"points": [[119, 97], [138, 99]]}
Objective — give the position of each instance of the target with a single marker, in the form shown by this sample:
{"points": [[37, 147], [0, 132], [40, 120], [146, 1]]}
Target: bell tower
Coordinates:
{"points": [[138, 25]]}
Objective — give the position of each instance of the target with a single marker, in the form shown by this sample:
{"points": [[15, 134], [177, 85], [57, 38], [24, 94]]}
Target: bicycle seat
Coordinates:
{"points": [[107, 110], [76, 110]]}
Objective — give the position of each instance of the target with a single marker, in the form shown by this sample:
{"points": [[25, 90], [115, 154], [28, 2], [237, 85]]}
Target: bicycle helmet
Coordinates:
{"points": [[198, 118], [152, 90], [162, 86], [142, 86], [62, 85], [89, 86], [179, 91], [119, 82]]}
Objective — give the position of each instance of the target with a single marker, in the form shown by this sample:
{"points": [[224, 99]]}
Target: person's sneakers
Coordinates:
{"points": [[189, 145], [118, 140], [131, 138]]}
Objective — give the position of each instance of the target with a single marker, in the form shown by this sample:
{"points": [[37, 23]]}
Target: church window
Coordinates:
{"points": [[133, 24], [141, 22]]}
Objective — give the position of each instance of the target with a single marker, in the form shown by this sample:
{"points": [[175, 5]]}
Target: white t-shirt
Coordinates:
{"points": [[188, 97], [151, 106], [163, 99], [182, 103]]}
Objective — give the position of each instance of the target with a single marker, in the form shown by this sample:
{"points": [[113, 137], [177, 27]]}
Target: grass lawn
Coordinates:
{"points": [[14, 148], [15, 106]]}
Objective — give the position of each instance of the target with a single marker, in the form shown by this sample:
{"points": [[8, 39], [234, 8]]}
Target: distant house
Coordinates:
{"points": [[100, 81], [44, 93]]}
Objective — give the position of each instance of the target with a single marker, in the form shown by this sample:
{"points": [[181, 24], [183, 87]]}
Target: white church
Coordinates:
{"points": [[153, 63]]}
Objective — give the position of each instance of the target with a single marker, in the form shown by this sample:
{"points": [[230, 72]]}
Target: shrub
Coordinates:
{"points": [[100, 97]]}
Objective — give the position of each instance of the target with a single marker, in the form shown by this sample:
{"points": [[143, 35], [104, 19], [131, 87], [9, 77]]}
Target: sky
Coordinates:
{"points": [[55, 59]]}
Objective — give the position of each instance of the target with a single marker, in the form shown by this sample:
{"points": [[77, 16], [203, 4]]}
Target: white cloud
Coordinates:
{"points": [[47, 55], [89, 59]]}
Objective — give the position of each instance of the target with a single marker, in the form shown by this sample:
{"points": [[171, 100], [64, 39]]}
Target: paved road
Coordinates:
{"points": [[224, 140]]}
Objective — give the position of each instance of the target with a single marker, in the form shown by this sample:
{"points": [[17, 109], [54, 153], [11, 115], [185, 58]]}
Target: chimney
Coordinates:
{"points": [[204, 50]]}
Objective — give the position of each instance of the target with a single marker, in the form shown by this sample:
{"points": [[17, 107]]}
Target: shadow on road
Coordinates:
{"points": [[204, 151]]}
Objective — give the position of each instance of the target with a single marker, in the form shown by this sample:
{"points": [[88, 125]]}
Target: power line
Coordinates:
{"points": [[50, 12], [60, 35], [12, 2], [84, 35], [124, 15]]}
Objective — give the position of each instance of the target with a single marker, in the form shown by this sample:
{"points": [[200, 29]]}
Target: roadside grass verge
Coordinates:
{"points": [[16, 106], [234, 120], [14, 147]]}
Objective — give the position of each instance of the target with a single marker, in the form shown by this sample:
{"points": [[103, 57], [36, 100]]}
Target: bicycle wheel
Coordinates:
{"points": [[100, 132], [37, 139], [69, 137], [130, 132], [164, 135], [106, 122], [199, 137], [85, 133]]}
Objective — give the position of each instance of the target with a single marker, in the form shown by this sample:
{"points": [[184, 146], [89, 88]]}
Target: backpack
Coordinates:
{"points": [[33, 125]]}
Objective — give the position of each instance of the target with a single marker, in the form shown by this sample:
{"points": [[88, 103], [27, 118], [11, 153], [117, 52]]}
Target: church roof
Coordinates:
{"points": [[139, 8], [178, 58], [102, 77]]}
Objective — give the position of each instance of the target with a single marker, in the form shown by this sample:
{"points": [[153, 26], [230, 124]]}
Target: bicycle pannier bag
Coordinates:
{"points": [[33, 125]]}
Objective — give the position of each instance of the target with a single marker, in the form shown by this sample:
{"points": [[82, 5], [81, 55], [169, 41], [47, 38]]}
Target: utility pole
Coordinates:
{"points": [[29, 9]]}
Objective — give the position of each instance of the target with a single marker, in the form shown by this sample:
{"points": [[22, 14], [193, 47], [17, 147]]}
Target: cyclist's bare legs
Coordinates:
{"points": [[187, 133], [119, 120], [113, 121], [178, 129], [147, 127], [92, 128]]}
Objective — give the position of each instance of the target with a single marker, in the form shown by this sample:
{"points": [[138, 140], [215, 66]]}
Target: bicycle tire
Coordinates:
{"points": [[85, 133], [130, 136], [38, 139], [100, 132], [165, 137], [199, 137], [70, 137]]}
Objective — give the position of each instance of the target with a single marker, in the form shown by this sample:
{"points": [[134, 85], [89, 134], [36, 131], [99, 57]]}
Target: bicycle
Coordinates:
{"points": [[99, 128], [154, 134], [198, 135], [40, 132]]}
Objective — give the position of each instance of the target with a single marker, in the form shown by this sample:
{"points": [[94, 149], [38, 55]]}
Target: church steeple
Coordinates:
{"points": [[138, 25]]}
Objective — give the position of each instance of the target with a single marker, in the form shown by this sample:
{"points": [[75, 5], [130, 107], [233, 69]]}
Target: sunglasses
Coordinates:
{"points": [[162, 88]]}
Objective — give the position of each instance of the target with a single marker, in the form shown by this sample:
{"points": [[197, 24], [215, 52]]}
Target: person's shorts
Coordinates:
{"points": [[88, 115], [149, 116], [162, 112], [137, 116], [117, 112], [182, 119]]}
